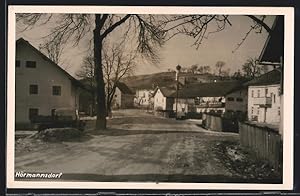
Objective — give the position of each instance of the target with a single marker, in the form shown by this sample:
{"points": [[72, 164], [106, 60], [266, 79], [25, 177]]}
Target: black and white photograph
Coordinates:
{"points": [[147, 96]]}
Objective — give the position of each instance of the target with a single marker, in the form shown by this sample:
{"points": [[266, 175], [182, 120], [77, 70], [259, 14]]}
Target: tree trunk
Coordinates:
{"points": [[101, 107]]}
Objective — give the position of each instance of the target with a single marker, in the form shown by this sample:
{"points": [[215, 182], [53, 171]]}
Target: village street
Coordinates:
{"points": [[137, 147]]}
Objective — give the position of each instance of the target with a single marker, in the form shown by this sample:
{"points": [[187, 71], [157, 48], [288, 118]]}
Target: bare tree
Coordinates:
{"points": [[219, 66], [117, 64], [251, 68], [53, 50], [203, 69], [194, 68], [150, 31]]}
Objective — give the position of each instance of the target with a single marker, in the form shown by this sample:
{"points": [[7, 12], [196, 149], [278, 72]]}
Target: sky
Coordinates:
{"points": [[179, 50]]}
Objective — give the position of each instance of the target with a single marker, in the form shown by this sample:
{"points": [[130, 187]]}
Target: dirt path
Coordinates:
{"points": [[150, 149]]}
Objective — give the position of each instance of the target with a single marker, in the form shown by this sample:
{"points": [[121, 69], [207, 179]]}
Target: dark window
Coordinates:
{"points": [[53, 112], [56, 90], [258, 93], [266, 91], [239, 99], [33, 112], [274, 98], [18, 63], [30, 64], [230, 99], [33, 89], [252, 93]]}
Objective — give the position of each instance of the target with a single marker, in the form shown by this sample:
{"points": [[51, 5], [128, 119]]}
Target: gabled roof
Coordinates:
{"points": [[166, 91], [23, 41], [215, 89], [269, 78], [274, 45], [124, 88]]}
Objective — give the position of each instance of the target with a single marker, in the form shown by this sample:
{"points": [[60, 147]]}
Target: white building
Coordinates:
{"points": [[204, 97], [264, 98], [162, 99], [41, 85], [143, 97]]}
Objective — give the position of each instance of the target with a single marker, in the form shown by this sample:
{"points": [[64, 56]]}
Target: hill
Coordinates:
{"points": [[167, 79]]}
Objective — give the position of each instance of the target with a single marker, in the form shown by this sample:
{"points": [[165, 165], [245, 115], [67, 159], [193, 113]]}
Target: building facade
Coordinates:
{"points": [[143, 97], [204, 97], [162, 99], [41, 85], [237, 101], [123, 97], [264, 102]]}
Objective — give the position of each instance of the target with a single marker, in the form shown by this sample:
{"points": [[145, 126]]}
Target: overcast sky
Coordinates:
{"points": [[179, 50]]}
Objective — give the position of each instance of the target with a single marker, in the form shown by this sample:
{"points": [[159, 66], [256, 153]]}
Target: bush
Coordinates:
{"points": [[59, 134]]}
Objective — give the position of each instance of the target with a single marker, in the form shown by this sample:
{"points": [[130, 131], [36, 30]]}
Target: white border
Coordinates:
{"points": [[288, 12]]}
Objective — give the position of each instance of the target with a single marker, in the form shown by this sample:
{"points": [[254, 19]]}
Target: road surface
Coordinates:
{"points": [[137, 147]]}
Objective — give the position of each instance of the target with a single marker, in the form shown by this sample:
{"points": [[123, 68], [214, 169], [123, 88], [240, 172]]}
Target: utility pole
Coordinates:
{"points": [[178, 67]]}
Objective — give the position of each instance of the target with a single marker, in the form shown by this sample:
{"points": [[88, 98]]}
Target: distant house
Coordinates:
{"points": [[41, 85], [237, 100], [123, 97], [163, 101], [204, 97], [143, 97], [264, 98]]}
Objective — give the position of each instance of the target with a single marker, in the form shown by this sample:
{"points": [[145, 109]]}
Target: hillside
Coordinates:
{"points": [[166, 79]]}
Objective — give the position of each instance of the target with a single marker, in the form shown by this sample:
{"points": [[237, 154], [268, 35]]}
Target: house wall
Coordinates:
{"points": [[160, 101], [257, 94], [127, 101], [220, 100], [239, 102], [122, 100], [45, 75], [184, 105], [117, 103], [142, 97]]}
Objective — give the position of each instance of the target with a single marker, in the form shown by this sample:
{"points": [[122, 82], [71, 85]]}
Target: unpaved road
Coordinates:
{"points": [[138, 147]]}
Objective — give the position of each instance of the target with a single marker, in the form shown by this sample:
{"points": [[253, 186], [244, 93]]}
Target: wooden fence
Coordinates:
{"points": [[266, 143], [218, 123]]}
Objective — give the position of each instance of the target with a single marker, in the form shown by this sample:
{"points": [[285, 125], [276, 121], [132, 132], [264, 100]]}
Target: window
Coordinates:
{"points": [[258, 93], [18, 63], [252, 93], [56, 90], [239, 99], [53, 112], [30, 64], [230, 99], [33, 112], [266, 92], [33, 89], [252, 110], [278, 111], [274, 98]]}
